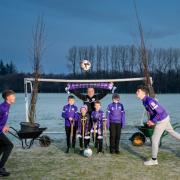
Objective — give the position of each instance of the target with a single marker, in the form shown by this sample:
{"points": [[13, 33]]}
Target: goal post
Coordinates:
{"points": [[28, 83]]}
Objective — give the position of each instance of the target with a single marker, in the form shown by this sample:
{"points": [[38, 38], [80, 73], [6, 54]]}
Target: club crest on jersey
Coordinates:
{"points": [[93, 99]]}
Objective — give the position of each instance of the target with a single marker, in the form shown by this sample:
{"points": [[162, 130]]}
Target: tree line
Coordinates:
{"points": [[125, 61], [7, 68], [163, 82], [122, 59], [107, 62]]}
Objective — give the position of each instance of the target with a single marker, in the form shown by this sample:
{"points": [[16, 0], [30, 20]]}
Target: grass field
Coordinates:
{"points": [[40, 163]]}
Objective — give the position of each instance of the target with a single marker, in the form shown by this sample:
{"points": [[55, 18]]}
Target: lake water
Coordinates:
{"points": [[49, 108]]}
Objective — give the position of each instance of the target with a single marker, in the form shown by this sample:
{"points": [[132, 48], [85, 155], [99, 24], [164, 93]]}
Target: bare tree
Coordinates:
{"points": [[72, 59], [123, 58], [151, 57], [91, 57], [177, 60], [98, 58], [106, 56], [144, 57], [113, 49], [37, 52]]}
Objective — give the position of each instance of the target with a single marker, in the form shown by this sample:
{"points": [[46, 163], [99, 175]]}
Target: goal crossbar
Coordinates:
{"points": [[84, 80]]}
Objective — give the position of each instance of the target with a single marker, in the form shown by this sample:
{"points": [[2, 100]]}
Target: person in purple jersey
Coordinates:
{"points": [[98, 117], [6, 145], [83, 132], [115, 121], [70, 114], [159, 118]]}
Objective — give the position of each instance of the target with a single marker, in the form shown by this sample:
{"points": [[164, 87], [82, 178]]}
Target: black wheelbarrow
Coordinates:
{"points": [[139, 138], [27, 137]]}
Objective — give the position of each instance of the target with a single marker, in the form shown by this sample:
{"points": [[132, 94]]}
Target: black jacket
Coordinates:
{"points": [[89, 101]]}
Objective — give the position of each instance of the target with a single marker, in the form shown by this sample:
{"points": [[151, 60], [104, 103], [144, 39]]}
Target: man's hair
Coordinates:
{"points": [[71, 97], [143, 88], [97, 102], [90, 88], [7, 93]]}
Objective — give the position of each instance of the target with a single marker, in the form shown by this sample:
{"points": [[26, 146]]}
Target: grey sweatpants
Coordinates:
{"points": [[160, 127]]}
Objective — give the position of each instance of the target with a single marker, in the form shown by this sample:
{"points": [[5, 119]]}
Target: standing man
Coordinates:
{"points": [[90, 98], [159, 118], [6, 145]]}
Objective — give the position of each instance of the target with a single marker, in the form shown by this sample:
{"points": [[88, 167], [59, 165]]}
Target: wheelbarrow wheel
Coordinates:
{"points": [[44, 141], [138, 139]]}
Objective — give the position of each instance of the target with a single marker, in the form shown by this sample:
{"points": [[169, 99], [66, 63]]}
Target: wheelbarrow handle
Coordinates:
{"points": [[13, 129], [12, 133], [176, 125]]}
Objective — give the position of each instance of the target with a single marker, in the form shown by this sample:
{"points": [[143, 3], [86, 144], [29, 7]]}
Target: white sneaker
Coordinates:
{"points": [[151, 162]]}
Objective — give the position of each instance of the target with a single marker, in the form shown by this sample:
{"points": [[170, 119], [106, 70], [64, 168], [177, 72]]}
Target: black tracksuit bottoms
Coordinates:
{"points": [[115, 134], [6, 147]]}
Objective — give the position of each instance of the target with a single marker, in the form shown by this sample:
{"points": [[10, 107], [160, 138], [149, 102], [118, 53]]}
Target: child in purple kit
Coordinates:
{"points": [[6, 145]]}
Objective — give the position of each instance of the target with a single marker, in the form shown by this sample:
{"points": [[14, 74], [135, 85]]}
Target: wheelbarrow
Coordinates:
{"points": [[27, 137], [139, 138]]}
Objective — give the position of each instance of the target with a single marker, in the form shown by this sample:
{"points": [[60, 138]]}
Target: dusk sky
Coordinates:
{"points": [[83, 23]]}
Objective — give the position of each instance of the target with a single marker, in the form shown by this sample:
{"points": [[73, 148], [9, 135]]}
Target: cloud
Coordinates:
{"points": [[95, 10], [161, 33]]}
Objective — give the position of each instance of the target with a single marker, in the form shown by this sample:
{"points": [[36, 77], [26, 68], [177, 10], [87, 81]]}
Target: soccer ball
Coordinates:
{"points": [[88, 152], [85, 65]]}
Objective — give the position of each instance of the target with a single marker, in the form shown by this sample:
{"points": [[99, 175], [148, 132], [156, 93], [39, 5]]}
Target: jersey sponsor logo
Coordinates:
{"points": [[90, 100], [153, 105], [118, 108]]}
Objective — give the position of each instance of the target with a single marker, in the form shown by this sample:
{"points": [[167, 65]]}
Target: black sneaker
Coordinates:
{"points": [[100, 152], [117, 152], [81, 151], [67, 150], [3, 172], [112, 151]]}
